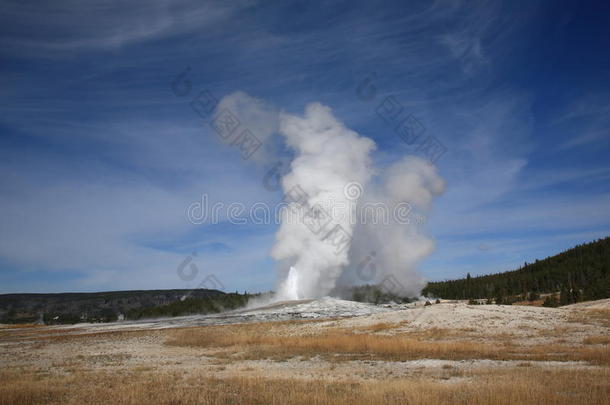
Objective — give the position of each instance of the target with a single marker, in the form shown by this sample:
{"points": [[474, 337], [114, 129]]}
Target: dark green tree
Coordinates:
{"points": [[580, 273]]}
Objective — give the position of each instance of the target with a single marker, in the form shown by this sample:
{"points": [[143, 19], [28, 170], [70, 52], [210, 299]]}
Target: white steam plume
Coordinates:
{"points": [[386, 252], [258, 117], [383, 248], [328, 156]]}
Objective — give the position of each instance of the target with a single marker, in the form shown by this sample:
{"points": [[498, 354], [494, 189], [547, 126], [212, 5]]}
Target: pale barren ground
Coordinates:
{"points": [[449, 353]]}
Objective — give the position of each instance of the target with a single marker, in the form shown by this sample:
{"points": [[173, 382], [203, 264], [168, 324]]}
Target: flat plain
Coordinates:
{"points": [[445, 353]]}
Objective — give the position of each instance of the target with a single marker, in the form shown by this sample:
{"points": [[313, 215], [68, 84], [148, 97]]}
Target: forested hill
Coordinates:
{"points": [[91, 307], [578, 274]]}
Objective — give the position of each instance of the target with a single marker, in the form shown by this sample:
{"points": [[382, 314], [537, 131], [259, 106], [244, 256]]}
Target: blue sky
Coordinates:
{"points": [[99, 159]]}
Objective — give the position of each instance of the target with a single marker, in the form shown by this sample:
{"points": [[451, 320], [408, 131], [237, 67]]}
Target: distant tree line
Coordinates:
{"points": [[71, 308], [578, 274], [190, 306]]}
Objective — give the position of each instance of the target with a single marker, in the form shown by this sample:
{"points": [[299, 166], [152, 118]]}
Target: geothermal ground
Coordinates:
{"points": [[319, 351]]}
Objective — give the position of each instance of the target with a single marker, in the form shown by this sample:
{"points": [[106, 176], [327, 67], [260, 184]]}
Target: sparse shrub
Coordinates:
{"points": [[551, 301], [533, 296]]}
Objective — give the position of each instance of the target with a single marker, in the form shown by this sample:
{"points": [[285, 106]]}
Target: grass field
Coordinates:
{"points": [[449, 355]]}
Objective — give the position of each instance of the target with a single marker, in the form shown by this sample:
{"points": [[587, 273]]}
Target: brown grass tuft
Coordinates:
{"points": [[597, 340]]}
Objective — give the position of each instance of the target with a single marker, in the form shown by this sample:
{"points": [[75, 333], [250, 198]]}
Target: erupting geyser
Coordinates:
{"points": [[291, 288], [328, 159]]}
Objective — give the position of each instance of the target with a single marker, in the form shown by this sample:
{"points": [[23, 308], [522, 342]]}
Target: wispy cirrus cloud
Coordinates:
{"points": [[586, 120], [81, 26]]}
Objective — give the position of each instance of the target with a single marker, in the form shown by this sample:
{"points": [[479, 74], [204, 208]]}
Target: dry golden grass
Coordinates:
{"points": [[34, 332], [558, 332], [77, 335], [380, 327], [506, 387], [600, 317], [597, 340], [527, 303], [257, 341], [433, 334], [260, 342], [22, 325]]}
